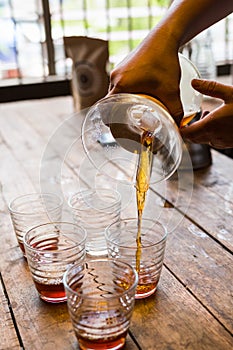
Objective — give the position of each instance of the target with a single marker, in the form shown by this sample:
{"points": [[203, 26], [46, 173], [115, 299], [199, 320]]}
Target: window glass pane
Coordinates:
{"points": [[21, 46]]}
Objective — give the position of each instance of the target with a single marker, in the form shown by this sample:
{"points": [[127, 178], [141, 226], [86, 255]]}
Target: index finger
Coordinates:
{"points": [[214, 89]]}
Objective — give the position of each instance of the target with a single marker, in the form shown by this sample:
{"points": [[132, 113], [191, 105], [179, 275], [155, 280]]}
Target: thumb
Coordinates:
{"points": [[213, 89], [196, 132]]}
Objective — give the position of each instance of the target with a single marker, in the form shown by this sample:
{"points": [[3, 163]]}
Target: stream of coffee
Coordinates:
{"points": [[142, 184], [143, 180]]}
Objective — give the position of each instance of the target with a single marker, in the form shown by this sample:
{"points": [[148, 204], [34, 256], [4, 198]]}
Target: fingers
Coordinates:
{"points": [[202, 133], [213, 89], [196, 132]]}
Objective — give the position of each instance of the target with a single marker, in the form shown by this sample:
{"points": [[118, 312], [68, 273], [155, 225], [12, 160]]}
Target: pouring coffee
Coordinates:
{"points": [[133, 138], [113, 127]]}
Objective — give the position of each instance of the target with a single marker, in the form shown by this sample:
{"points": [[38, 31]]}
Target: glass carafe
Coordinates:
{"points": [[113, 128]]}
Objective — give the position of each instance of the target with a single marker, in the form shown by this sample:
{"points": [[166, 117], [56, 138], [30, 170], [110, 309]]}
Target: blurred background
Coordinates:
{"points": [[32, 56]]}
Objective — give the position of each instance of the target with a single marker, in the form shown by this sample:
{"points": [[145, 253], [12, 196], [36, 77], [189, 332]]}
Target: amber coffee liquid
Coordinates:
{"points": [[186, 119], [92, 333], [114, 342], [142, 184], [51, 292]]}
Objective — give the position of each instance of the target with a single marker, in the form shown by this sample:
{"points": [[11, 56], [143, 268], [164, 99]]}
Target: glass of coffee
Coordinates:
{"points": [[143, 247], [50, 250], [100, 298]]}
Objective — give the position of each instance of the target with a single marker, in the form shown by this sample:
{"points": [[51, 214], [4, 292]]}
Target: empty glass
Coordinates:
{"points": [[100, 298], [50, 249], [95, 209], [146, 256], [33, 209]]}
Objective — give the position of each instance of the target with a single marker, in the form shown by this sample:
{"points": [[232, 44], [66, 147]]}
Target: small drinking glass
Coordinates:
{"points": [[50, 249], [145, 255], [95, 209], [33, 209], [100, 297]]}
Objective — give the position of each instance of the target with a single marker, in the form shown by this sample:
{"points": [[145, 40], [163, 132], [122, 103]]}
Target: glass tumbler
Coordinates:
{"points": [[145, 255], [100, 297], [50, 249], [33, 209], [95, 209]]}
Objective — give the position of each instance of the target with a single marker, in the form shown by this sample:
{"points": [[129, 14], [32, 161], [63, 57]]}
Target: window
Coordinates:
{"points": [[32, 50]]}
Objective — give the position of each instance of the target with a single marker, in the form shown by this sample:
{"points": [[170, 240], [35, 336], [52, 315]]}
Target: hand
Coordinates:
{"points": [[216, 127], [152, 69]]}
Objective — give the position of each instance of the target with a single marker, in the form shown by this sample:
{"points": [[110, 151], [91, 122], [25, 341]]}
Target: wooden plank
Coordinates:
{"points": [[211, 211], [13, 180], [204, 268], [23, 142], [172, 319], [60, 106], [8, 336], [218, 177], [29, 147]]}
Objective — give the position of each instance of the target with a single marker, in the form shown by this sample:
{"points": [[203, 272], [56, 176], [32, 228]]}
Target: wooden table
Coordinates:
{"points": [[192, 307]]}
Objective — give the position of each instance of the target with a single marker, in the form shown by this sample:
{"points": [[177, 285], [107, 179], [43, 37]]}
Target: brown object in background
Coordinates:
{"points": [[89, 76]]}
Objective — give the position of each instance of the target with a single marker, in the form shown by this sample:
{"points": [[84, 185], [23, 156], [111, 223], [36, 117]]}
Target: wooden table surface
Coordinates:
{"points": [[192, 307]]}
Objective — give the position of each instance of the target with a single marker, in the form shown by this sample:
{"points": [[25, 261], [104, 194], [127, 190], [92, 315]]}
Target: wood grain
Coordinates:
{"points": [[40, 148]]}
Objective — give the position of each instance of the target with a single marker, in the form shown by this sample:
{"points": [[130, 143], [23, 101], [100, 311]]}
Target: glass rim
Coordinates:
{"points": [[125, 97], [161, 240], [54, 223], [81, 194], [117, 261], [46, 194]]}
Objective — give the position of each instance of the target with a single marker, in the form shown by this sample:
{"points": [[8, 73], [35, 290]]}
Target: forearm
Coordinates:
{"points": [[186, 18], [153, 67]]}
